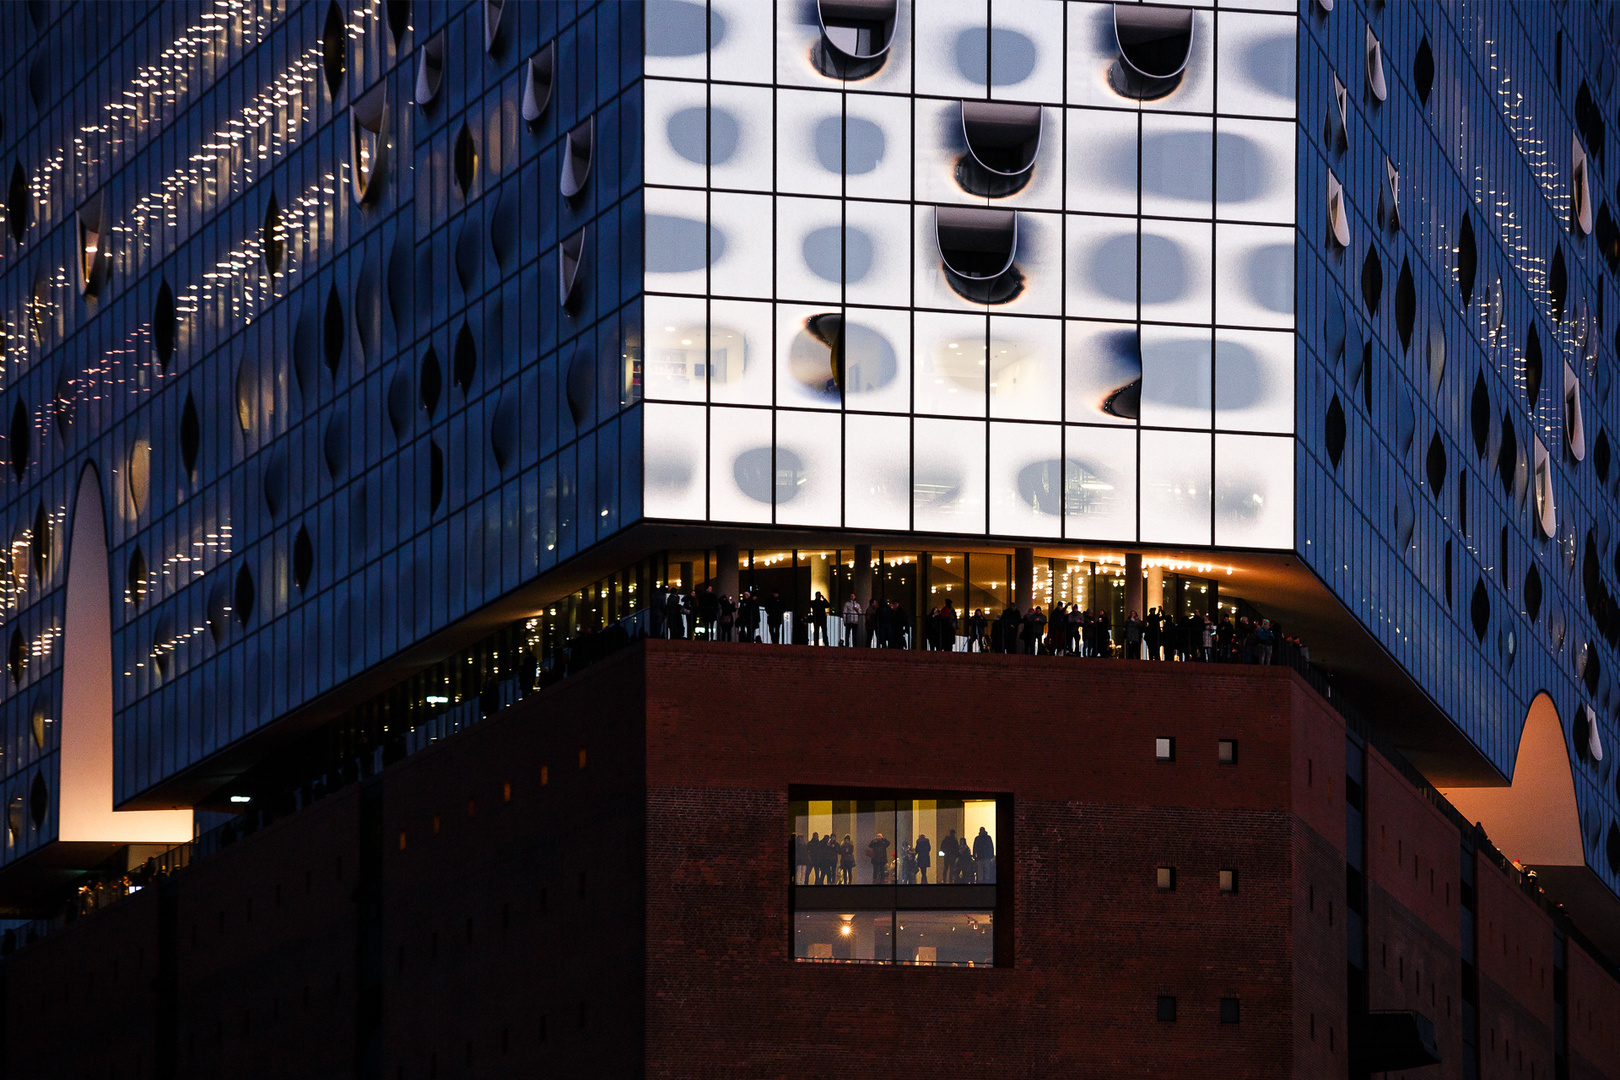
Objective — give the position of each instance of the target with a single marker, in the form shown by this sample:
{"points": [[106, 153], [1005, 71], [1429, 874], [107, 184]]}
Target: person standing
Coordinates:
{"points": [[852, 621], [775, 608], [846, 861], [874, 623], [819, 609], [947, 858], [1153, 632], [984, 857], [923, 852], [878, 852]]}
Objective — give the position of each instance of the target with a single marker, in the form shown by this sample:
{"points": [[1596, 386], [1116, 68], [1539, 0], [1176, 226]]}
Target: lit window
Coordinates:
{"points": [[1164, 748], [1226, 751], [1228, 881], [1167, 878]]}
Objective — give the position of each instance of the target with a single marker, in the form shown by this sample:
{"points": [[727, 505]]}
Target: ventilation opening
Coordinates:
{"points": [[538, 79], [1334, 430], [400, 291], [1364, 378], [93, 253], [430, 71], [570, 257], [464, 365], [1154, 46], [469, 253], [303, 558], [63, 405], [1003, 141], [1479, 610], [165, 326], [368, 145], [163, 645], [275, 484], [1405, 304], [1336, 132], [22, 438], [435, 476], [1467, 260], [190, 436], [503, 432], [242, 601], [431, 381], [1423, 70], [1479, 415], [1532, 593], [39, 801], [1546, 504], [1436, 355], [578, 150], [504, 228], [977, 247], [1376, 84], [334, 331], [855, 36], [334, 48], [464, 161], [1389, 197], [19, 203], [1372, 281], [137, 578], [1558, 285], [139, 477], [1435, 464], [1533, 368]]}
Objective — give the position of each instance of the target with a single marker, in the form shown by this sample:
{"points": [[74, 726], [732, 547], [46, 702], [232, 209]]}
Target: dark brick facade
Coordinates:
{"points": [[594, 882]]}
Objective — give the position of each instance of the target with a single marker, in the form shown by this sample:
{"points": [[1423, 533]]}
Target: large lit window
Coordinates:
{"points": [[900, 877]]}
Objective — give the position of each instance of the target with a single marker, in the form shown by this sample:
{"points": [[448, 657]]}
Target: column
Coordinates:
{"points": [[1155, 589], [1023, 578], [1213, 609], [1133, 584], [863, 574], [726, 571]]}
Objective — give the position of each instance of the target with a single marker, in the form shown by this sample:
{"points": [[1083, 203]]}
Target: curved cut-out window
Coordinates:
{"points": [[137, 578], [64, 404], [1533, 369], [539, 77], [400, 286], [1338, 221], [400, 404], [1495, 307], [334, 330], [1580, 187], [978, 247], [1003, 141], [578, 150], [243, 596], [1423, 70], [1336, 133], [1532, 592], [334, 48], [1376, 85], [570, 258], [335, 445], [398, 15], [1590, 740], [1155, 44], [367, 309], [1608, 241], [1479, 415], [303, 558], [1334, 331], [1434, 464], [272, 236], [1389, 197], [579, 385], [469, 253], [430, 70], [435, 476], [1467, 259], [1558, 286], [1574, 419], [39, 543], [306, 347], [1479, 609], [368, 145], [1405, 304], [165, 325], [1372, 280], [17, 658], [431, 382], [493, 10], [275, 484], [855, 36], [1601, 455], [19, 203], [1511, 466], [39, 801], [464, 360], [94, 258], [164, 641], [21, 438], [464, 160], [503, 432], [504, 227], [1333, 430], [1546, 502], [190, 436], [218, 614], [37, 720], [1435, 354], [139, 476]]}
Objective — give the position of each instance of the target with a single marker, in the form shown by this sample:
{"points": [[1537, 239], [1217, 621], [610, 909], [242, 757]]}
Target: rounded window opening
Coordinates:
{"points": [[1003, 141], [303, 558], [1155, 44], [977, 247], [190, 437], [539, 76], [431, 381], [334, 48], [464, 161], [430, 71], [1334, 430], [1467, 260], [137, 578], [165, 326], [19, 203], [855, 37], [244, 596], [578, 151], [22, 438]]}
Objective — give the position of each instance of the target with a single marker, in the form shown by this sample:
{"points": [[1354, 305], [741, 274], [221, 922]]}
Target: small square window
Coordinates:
{"points": [[1229, 1010], [1229, 881], [1167, 877], [1164, 749], [1167, 1008], [1226, 751]]}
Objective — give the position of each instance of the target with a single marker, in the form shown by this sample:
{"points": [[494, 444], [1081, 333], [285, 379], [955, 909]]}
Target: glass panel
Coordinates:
{"points": [[877, 240], [1178, 164], [1091, 52], [1101, 279], [1026, 475], [740, 42], [741, 266], [808, 468], [850, 938], [676, 133], [677, 38], [1257, 64], [1254, 170], [1099, 484], [676, 462], [940, 147], [1196, 90], [877, 471], [805, 337], [989, 589], [945, 938], [739, 353], [1254, 491], [675, 365], [946, 586], [1026, 54], [1176, 262], [742, 467], [948, 482], [1254, 281], [810, 149], [1175, 487], [1102, 161], [877, 360], [1177, 380], [809, 256], [1254, 380], [952, 58], [950, 364], [1040, 263], [877, 132], [679, 241], [1104, 377]]}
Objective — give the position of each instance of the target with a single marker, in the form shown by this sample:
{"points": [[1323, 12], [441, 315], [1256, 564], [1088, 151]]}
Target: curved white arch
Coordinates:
{"points": [[84, 795]]}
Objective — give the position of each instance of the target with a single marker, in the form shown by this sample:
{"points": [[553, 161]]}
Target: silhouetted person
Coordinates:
{"points": [[878, 850], [923, 852], [984, 857], [819, 609]]}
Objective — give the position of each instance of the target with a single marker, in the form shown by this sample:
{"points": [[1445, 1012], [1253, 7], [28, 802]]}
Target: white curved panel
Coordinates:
{"points": [[1254, 491], [877, 472], [1175, 493], [809, 463], [1026, 368], [948, 476], [1099, 483], [1026, 479], [675, 462], [742, 472]]}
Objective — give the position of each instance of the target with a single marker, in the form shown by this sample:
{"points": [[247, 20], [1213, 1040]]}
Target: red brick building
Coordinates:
{"points": [[597, 881]]}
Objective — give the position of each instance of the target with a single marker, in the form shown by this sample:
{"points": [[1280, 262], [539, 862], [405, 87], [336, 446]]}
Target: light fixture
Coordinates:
{"points": [[241, 798]]}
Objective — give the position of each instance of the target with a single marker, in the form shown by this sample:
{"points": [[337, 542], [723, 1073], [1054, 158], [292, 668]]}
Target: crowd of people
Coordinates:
{"points": [[1065, 630], [827, 860]]}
